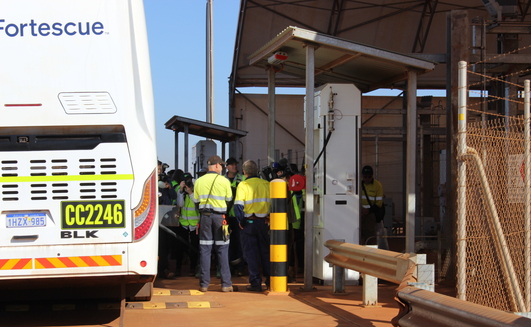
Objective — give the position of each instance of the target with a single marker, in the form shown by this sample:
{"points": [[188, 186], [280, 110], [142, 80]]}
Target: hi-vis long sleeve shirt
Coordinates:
{"points": [[252, 198], [375, 193]]}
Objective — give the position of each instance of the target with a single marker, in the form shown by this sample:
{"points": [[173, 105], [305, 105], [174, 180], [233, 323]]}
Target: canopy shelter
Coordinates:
{"points": [[337, 60], [196, 127], [317, 58]]}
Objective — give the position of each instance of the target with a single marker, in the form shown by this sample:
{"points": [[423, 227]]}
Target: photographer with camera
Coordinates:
{"points": [[167, 194], [176, 176], [189, 219]]}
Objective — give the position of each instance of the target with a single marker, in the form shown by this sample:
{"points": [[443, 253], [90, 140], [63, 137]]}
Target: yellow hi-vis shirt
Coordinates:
{"points": [[234, 184], [375, 193], [253, 195], [212, 191]]}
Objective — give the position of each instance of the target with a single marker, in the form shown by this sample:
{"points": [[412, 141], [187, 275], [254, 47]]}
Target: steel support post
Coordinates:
{"points": [[338, 279], [308, 228]]}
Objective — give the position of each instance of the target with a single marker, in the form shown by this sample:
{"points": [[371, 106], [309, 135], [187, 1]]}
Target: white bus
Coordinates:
{"points": [[78, 159]]}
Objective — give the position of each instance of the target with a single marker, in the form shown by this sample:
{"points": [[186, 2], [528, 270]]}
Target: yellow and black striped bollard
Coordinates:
{"points": [[279, 236]]}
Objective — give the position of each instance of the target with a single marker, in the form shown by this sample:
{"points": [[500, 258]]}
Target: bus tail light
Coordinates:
{"points": [[145, 212]]}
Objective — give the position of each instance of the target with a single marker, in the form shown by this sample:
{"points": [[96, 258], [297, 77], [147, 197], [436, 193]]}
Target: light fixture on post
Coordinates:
{"points": [[277, 58]]}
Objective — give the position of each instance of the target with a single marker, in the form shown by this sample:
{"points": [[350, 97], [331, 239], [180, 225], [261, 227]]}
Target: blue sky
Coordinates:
{"points": [[177, 43]]}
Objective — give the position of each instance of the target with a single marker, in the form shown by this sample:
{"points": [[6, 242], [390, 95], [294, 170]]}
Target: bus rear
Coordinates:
{"points": [[77, 145]]}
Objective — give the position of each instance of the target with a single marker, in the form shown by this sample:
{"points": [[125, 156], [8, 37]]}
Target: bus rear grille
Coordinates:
{"points": [[37, 188]]}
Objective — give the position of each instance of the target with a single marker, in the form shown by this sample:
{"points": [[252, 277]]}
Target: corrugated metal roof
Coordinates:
{"points": [[415, 27], [337, 60]]}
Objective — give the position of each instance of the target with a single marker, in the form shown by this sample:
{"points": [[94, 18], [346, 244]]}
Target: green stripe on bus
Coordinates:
{"points": [[65, 178]]}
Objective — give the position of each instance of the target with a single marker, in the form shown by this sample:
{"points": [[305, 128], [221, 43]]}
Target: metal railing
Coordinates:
{"points": [[388, 265], [419, 307], [375, 263], [423, 308]]}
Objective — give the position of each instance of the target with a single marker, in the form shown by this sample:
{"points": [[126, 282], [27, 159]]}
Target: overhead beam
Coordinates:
{"points": [[370, 21], [335, 16], [425, 21]]}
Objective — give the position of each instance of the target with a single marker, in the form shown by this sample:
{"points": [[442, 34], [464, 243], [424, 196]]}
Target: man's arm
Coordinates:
{"points": [[240, 215], [228, 191], [239, 202], [195, 196], [180, 199]]}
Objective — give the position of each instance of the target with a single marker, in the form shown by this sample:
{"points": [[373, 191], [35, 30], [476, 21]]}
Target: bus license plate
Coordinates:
{"points": [[17, 220], [92, 214]]}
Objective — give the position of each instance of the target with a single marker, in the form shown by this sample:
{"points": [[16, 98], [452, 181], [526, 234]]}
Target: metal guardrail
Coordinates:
{"points": [[388, 265], [424, 308], [419, 307], [375, 263]]}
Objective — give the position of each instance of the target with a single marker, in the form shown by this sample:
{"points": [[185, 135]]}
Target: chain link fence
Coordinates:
{"points": [[493, 233]]}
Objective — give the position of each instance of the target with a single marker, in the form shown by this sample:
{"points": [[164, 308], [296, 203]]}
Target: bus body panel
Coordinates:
{"points": [[76, 260], [77, 140]]}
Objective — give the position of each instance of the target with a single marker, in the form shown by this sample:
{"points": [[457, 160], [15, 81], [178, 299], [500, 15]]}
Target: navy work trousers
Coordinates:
{"points": [[255, 244]]}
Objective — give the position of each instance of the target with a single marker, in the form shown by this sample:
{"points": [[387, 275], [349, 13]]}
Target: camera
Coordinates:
{"points": [[188, 181], [162, 175], [188, 184], [283, 169], [267, 173], [279, 169]]}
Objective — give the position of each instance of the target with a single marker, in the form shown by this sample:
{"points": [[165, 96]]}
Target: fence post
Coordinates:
{"points": [[461, 180], [338, 283], [370, 288], [527, 197], [425, 273], [338, 276]]}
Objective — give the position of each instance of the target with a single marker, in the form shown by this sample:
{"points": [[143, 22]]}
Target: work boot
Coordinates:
{"points": [[237, 271], [252, 288], [168, 274], [236, 261], [227, 289], [203, 289]]}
